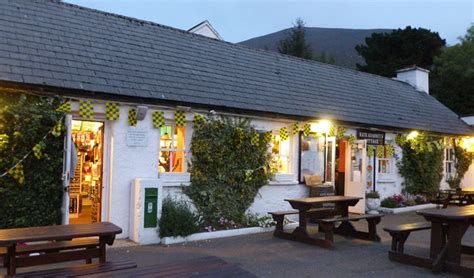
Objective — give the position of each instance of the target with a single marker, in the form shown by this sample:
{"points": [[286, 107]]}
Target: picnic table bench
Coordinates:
{"points": [[448, 226], [327, 223], [56, 244]]}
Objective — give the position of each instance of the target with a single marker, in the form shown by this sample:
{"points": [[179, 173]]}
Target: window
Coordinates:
{"points": [[449, 163], [311, 157], [172, 142], [280, 154], [384, 164]]}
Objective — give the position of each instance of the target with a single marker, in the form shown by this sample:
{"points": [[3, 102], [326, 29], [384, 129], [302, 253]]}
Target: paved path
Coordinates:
{"points": [[266, 256]]}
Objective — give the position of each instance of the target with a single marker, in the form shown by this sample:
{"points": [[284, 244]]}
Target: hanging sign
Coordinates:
{"points": [[372, 137]]}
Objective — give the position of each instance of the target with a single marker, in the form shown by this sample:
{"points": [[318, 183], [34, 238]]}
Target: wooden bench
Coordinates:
{"points": [[51, 247], [327, 226], [279, 216], [80, 270], [401, 232]]}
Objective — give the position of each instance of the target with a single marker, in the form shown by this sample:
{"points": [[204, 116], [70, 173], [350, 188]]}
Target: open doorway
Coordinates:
{"points": [[85, 190], [355, 173]]}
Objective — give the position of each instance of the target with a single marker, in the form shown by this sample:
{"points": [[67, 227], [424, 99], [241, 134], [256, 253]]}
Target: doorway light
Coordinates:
{"points": [[412, 135], [321, 126]]}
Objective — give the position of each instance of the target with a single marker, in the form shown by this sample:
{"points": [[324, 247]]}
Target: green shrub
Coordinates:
{"points": [[177, 219], [24, 121], [255, 220], [421, 165], [389, 202], [410, 203], [230, 163]]}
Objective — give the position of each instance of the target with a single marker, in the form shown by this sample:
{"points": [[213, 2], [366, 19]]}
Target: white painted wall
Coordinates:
{"points": [[124, 164]]}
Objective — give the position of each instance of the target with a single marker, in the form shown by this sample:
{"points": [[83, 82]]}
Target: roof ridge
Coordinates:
{"points": [[151, 23]]}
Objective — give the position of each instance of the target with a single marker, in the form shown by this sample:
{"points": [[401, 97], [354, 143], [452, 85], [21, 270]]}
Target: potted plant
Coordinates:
{"points": [[372, 200]]}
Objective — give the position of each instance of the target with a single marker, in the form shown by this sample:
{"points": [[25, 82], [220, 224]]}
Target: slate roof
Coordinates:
{"points": [[46, 42]]}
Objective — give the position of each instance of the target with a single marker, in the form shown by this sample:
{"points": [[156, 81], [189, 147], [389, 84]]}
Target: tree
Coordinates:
{"points": [[325, 58], [295, 43], [453, 75], [384, 53], [33, 198]]}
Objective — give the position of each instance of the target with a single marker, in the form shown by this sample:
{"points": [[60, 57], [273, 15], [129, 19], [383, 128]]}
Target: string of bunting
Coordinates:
{"points": [[16, 171]]}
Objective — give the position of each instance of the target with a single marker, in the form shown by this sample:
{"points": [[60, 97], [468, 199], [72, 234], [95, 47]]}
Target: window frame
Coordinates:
{"points": [[173, 149], [279, 155], [449, 158], [384, 176]]}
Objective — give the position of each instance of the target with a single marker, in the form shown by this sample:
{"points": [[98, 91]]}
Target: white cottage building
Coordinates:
{"points": [[110, 61]]}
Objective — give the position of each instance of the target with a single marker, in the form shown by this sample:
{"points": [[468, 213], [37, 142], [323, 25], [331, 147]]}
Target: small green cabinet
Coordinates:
{"points": [[150, 207]]}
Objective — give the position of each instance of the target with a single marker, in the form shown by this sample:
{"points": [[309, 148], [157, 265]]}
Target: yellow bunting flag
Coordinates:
{"points": [[332, 131], [86, 109], [38, 151], [380, 151], [158, 119], [390, 150], [112, 111], [65, 107], [295, 128], [180, 118], [255, 139], [283, 134], [132, 117], [17, 174], [306, 129], [240, 134], [56, 131], [267, 136], [198, 119]]}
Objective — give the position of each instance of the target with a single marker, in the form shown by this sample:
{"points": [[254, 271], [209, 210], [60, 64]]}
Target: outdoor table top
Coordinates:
{"points": [[58, 232], [324, 199], [450, 213], [464, 190]]}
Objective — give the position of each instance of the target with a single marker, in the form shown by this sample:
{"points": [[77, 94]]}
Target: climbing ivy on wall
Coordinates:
{"points": [[421, 165], [463, 159], [36, 199], [230, 163]]}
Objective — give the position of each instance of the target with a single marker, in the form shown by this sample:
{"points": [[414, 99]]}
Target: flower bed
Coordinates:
{"points": [[401, 201]]}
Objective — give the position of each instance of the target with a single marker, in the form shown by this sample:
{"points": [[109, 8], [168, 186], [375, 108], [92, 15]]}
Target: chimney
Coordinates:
{"points": [[415, 76]]}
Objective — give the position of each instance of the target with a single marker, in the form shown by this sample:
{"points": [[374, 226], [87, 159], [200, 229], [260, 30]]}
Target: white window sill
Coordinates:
{"points": [[175, 179], [386, 181], [283, 179]]}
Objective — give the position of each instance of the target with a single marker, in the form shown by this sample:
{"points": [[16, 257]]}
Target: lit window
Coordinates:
{"points": [[384, 164], [449, 163], [172, 142], [280, 154]]}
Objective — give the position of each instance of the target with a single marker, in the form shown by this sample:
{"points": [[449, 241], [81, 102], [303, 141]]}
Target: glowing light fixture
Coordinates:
{"points": [[321, 126], [468, 144], [412, 135]]}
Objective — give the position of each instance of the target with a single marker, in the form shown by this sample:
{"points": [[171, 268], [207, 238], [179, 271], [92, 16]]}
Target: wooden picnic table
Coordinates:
{"points": [[460, 197], [342, 203], [448, 227], [11, 238]]}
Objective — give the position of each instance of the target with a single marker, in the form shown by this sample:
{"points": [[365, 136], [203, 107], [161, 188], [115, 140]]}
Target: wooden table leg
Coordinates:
{"points": [[102, 249], [455, 235], [301, 231], [11, 259], [436, 243]]}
